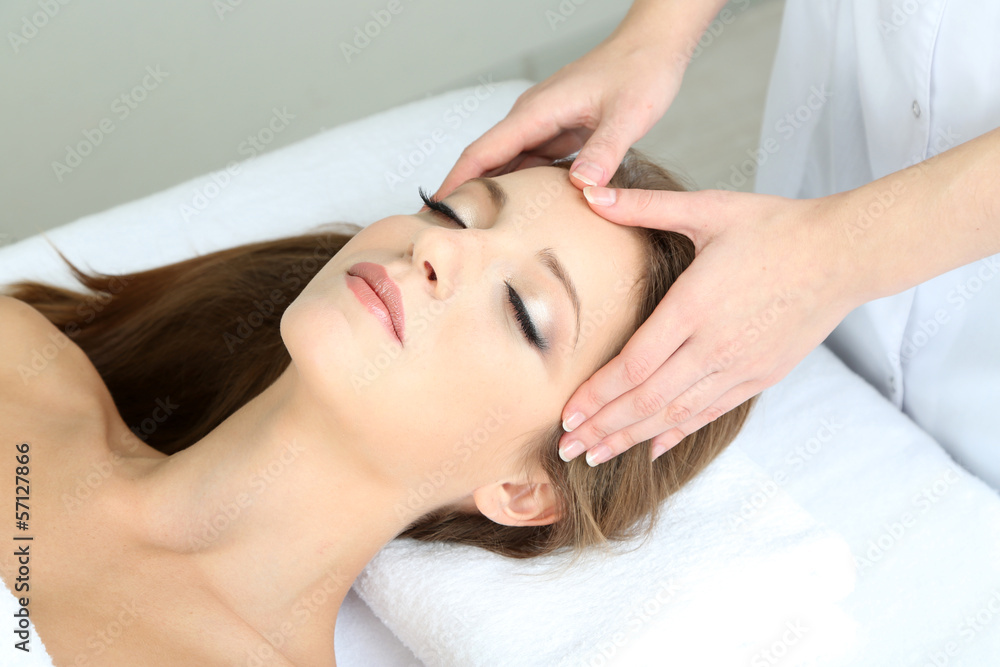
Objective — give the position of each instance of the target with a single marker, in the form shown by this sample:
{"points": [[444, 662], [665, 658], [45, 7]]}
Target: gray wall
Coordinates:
{"points": [[157, 93]]}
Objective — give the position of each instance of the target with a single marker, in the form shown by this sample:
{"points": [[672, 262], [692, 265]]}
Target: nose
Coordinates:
{"points": [[439, 254]]}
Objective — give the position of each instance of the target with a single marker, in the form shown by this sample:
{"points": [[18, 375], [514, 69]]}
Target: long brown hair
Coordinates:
{"points": [[204, 333]]}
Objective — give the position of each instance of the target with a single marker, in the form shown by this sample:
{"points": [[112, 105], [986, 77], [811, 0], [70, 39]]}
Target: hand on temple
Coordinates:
{"points": [[768, 283], [772, 277], [604, 102]]}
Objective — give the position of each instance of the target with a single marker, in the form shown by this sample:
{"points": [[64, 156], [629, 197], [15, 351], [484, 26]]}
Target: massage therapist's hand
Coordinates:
{"points": [[770, 279], [604, 102]]}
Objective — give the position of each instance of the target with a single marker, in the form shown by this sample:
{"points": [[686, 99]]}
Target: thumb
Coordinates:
{"points": [[600, 156], [686, 212]]}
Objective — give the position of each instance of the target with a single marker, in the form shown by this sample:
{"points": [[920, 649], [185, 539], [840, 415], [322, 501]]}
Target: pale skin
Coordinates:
{"points": [[258, 530], [700, 354]]}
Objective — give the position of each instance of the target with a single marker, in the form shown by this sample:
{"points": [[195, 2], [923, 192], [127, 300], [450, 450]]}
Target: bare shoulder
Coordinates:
{"points": [[40, 363]]}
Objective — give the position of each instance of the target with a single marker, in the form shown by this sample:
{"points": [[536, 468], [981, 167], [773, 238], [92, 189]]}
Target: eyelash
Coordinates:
{"points": [[513, 298], [438, 207]]}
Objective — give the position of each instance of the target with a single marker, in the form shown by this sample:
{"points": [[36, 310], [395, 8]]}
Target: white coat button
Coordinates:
{"points": [[916, 109]]}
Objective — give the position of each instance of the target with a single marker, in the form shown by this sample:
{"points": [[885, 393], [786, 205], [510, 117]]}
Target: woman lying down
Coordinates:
{"points": [[296, 414]]}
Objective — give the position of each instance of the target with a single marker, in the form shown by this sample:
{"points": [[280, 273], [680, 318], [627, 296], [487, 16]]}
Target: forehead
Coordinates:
{"points": [[602, 258], [543, 204]]}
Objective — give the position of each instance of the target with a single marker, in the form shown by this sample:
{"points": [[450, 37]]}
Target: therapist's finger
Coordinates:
{"points": [[585, 418], [736, 396], [694, 214], [675, 393], [696, 399], [660, 336], [561, 146], [498, 146], [600, 157]]}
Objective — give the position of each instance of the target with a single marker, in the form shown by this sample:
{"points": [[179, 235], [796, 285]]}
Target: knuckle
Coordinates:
{"points": [[643, 201], [647, 403], [592, 395], [635, 370], [600, 431], [677, 414], [712, 413]]}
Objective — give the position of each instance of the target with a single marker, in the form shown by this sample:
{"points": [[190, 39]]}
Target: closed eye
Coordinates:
{"points": [[441, 208], [513, 298], [527, 326]]}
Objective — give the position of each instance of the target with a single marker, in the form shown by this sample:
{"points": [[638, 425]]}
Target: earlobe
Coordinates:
{"points": [[524, 504]]}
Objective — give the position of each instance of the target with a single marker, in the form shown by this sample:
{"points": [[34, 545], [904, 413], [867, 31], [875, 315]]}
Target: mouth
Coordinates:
{"points": [[380, 295]]}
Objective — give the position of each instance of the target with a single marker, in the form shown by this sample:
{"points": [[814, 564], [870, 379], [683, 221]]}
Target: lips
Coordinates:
{"points": [[379, 294]]}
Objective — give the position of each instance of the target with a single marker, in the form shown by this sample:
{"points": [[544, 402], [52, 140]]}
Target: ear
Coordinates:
{"points": [[518, 504]]}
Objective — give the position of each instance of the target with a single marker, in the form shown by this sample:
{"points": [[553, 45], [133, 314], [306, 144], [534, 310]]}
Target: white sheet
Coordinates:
{"points": [[908, 606]]}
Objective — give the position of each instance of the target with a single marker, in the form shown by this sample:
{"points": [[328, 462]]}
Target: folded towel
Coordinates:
{"points": [[731, 560]]}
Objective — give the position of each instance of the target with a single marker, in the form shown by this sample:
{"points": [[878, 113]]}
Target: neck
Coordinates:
{"points": [[277, 519]]}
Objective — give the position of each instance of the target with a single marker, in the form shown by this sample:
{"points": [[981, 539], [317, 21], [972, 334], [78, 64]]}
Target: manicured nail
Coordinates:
{"points": [[588, 172], [600, 196], [574, 420], [571, 450], [657, 450], [598, 454]]}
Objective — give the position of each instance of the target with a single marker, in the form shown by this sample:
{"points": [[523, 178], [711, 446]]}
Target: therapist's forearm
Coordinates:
{"points": [[668, 29], [922, 221]]}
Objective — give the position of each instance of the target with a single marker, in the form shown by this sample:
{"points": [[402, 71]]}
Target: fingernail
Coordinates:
{"points": [[600, 196], [571, 450], [657, 450], [574, 420], [588, 172], [598, 454]]}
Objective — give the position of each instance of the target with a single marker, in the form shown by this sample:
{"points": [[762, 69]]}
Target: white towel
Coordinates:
{"points": [[721, 571]]}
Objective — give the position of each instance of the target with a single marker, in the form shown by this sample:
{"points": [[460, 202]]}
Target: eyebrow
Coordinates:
{"points": [[497, 194], [546, 256]]}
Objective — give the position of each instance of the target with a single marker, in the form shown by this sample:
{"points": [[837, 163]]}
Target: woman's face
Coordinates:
{"points": [[456, 402]]}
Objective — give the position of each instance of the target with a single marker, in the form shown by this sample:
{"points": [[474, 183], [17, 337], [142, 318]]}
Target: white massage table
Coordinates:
{"points": [[832, 532]]}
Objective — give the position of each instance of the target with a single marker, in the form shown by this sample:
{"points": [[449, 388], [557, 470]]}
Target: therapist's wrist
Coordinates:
{"points": [[862, 249], [666, 30]]}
